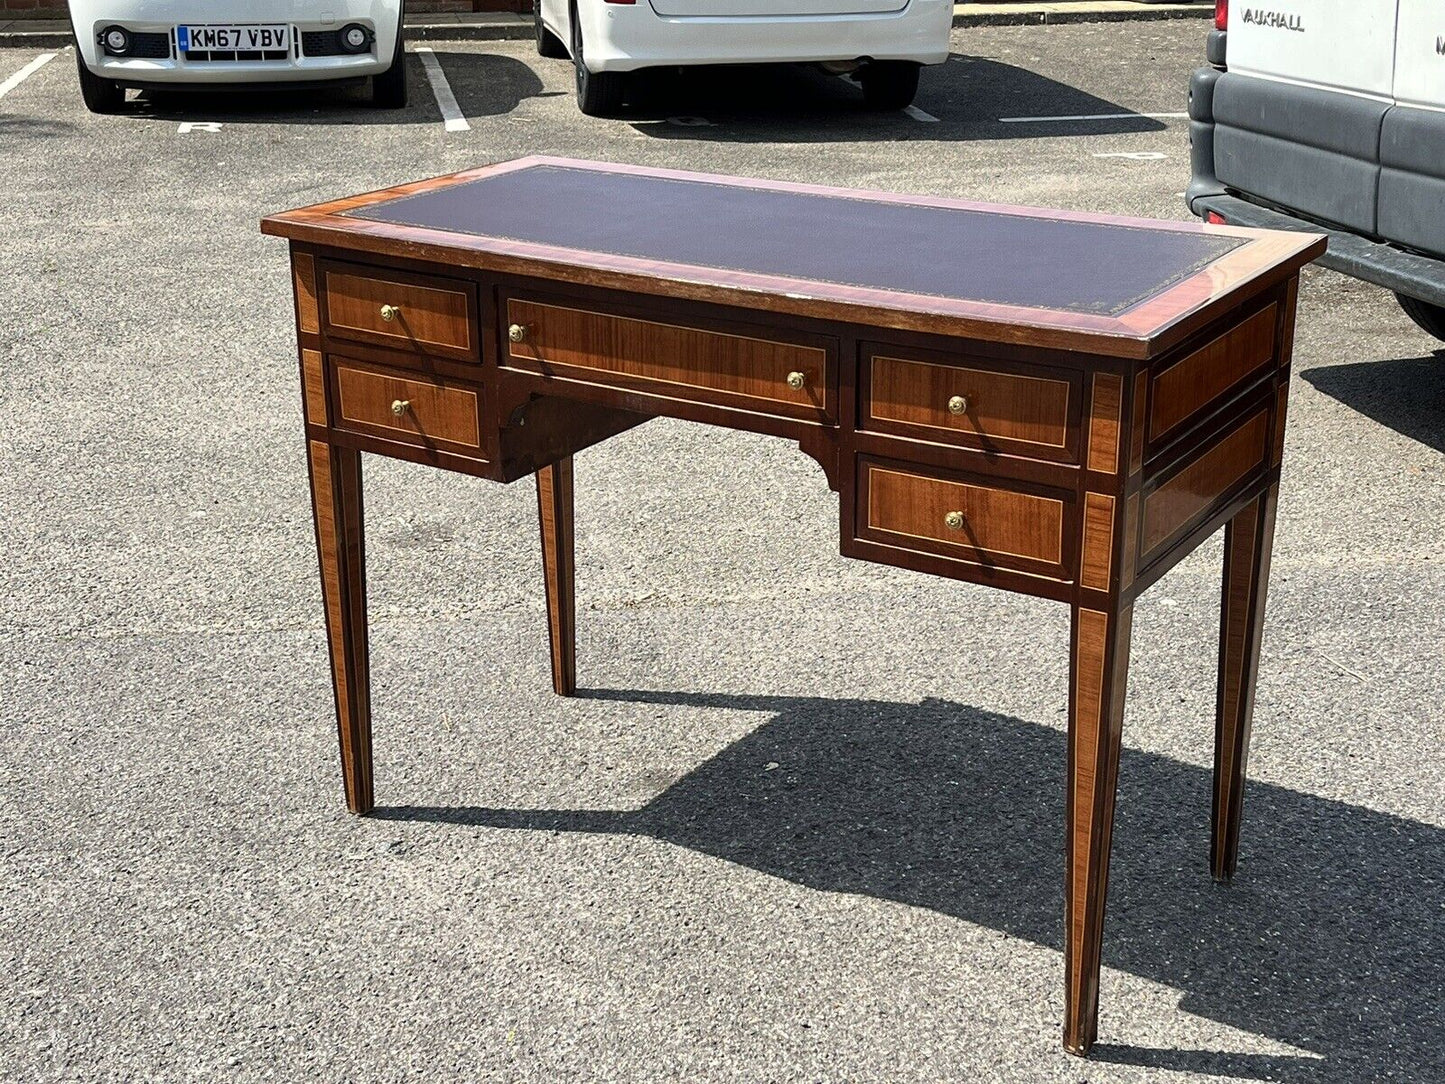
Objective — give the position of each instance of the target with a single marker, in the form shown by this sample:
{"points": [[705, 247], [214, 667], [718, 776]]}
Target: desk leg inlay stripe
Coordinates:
{"points": [[1247, 542], [554, 515], [336, 502], [1099, 673]]}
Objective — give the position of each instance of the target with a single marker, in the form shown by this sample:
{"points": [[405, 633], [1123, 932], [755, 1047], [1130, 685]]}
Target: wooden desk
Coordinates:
{"points": [[1063, 405]]}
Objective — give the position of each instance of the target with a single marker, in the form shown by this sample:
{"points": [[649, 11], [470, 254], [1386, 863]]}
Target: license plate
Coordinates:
{"points": [[232, 38]]}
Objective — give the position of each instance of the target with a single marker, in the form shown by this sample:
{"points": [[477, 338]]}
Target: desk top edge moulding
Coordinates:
{"points": [[1051, 403], [482, 233]]}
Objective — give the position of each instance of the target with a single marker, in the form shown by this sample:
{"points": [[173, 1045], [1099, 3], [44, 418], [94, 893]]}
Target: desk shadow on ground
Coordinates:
{"points": [[1331, 938], [1406, 395], [802, 104], [484, 84]]}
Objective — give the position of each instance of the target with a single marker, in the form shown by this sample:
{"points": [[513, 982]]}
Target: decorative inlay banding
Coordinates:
{"points": [[1104, 422], [303, 276], [1097, 551]]}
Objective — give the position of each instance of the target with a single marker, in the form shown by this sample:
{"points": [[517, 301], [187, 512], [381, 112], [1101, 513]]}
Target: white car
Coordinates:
{"points": [[230, 44], [881, 43]]}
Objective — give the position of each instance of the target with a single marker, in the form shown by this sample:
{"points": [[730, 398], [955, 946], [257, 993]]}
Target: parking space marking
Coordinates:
{"points": [[442, 90], [918, 114], [25, 73], [1134, 156], [1092, 116], [188, 126]]}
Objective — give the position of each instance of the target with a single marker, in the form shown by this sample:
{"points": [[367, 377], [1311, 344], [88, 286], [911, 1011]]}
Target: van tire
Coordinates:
{"points": [[100, 95], [599, 94], [889, 84], [549, 44], [388, 90], [1431, 318]]}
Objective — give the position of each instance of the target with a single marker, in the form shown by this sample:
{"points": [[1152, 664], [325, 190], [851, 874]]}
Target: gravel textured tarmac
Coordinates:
{"points": [[805, 823]]}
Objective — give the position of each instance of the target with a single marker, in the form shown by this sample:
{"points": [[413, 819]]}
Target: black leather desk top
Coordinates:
{"points": [[1093, 268]]}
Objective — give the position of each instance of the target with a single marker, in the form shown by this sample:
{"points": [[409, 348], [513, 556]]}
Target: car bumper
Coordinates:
{"points": [[89, 17], [624, 37]]}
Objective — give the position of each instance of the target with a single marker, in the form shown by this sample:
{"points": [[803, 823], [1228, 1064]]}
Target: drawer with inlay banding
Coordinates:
{"points": [[399, 406], [703, 362], [965, 518], [976, 403], [421, 314]]}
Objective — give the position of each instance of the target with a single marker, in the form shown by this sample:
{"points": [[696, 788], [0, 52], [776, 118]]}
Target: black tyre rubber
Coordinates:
{"points": [[388, 90], [599, 94], [889, 84], [549, 44], [100, 95], [1431, 318]]}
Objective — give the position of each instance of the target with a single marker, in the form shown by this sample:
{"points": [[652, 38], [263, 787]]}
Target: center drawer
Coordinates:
{"points": [[947, 400], [793, 377]]}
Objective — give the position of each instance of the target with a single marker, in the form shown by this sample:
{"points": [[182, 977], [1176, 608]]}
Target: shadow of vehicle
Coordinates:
{"points": [[1330, 939], [484, 85], [802, 104], [1406, 395], [20, 128]]}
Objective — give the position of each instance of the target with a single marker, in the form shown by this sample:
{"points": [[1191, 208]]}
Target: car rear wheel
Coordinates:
{"points": [[889, 84], [388, 90], [100, 95], [1430, 317], [599, 94], [549, 44]]}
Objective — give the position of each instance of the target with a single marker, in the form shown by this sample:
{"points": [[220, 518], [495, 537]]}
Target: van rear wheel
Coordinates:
{"points": [[1430, 317]]}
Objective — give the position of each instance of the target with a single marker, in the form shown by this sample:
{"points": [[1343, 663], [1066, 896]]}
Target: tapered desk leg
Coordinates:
{"points": [[1098, 677], [336, 500], [1248, 538], [554, 512]]}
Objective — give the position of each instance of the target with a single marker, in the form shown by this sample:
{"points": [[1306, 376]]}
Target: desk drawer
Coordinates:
{"points": [[400, 406], [963, 519], [409, 312], [795, 379], [976, 405]]}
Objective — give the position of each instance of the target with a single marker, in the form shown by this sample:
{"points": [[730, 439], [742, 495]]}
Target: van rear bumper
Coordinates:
{"points": [[1380, 262], [1369, 172]]}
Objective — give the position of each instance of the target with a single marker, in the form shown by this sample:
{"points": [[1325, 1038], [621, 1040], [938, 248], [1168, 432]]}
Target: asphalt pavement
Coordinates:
{"points": [[805, 822]]}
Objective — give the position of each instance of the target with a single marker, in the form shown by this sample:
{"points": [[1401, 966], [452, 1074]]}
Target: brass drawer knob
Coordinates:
{"points": [[958, 405], [953, 521], [797, 380], [517, 332], [390, 313], [400, 406]]}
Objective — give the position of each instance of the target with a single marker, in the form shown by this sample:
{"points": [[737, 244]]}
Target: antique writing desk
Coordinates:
{"points": [[1058, 404]]}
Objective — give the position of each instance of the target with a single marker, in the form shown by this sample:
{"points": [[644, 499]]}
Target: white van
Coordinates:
{"points": [[1331, 113]]}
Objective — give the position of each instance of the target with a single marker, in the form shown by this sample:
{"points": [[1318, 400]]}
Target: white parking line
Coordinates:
{"points": [[918, 114], [446, 100], [25, 73], [1092, 116]]}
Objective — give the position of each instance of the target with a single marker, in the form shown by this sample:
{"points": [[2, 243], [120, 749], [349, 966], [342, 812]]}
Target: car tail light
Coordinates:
{"points": [[1221, 14], [1214, 218]]}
